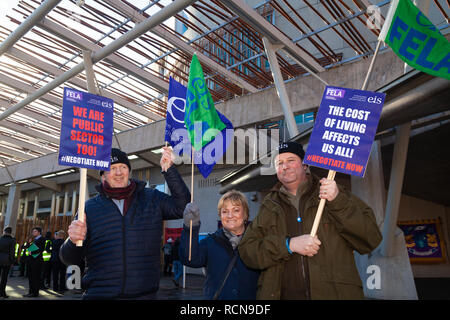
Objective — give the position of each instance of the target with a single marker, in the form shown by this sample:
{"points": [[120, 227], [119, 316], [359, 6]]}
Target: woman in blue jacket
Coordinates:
{"points": [[227, 277]]}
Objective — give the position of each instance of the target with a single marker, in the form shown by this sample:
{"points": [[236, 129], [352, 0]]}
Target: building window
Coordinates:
{"points": [[207, 183]]}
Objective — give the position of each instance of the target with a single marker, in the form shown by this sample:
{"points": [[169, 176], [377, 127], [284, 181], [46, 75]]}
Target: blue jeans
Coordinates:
{"points": [[177, 270]]}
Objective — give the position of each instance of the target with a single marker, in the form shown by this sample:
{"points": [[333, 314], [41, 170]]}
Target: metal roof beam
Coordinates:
{"points": [[46, 67], [22, 144], [24, 87], [117, 61], [27, 24], [15, 153], [29, 132], [265, 28], [137, 31], [34, 115], [52, 185], [177, 42], [7, 163]]}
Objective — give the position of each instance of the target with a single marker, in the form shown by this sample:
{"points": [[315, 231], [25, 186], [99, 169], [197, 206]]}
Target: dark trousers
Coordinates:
{"points": [[4, 271], [35, 274], [167, 265], [22, 265], [59, 276], [46, 274]]}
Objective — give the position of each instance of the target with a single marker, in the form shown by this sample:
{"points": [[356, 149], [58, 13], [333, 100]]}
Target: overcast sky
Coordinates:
{"points": [[5, 7]]}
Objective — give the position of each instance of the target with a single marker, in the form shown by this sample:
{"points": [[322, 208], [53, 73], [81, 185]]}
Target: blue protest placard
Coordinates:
{"points": [[344, 130], [86, 130]]}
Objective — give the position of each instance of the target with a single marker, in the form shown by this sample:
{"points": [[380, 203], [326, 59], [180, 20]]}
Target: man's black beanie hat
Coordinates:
{"points": [[118, 156], [292, 147]]}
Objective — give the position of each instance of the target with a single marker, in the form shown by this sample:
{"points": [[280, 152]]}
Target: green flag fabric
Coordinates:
{"points": [[200, 114], [415, 40]]}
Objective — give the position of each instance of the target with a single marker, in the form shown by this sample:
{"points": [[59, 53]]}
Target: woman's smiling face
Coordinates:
{"points": [[232, 217]]}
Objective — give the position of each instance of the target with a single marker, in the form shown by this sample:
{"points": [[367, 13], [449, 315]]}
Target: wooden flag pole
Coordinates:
{"points": [[82, 198], [315, 226], [192, 200], [372, 63], [192, 175]]}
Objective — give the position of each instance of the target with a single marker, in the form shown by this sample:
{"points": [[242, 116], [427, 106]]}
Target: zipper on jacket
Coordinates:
{"points": [[304, 278], [123, 257], [122, 290], [302, 259], [306, 281]]}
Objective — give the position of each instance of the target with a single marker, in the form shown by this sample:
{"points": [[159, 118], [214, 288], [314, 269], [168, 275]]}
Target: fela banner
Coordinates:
{"points": [[415, 40], [86, 130]]}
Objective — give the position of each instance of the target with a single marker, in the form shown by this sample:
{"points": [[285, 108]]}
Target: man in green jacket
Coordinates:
{"points": [[293, 264]]}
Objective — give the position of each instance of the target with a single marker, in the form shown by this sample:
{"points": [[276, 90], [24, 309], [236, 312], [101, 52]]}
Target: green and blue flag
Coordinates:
{"points": [[415, 40], [201, 115], [206, 157]]}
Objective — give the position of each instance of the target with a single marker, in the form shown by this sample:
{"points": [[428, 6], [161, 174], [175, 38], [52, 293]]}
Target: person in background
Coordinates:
{"points": [[24, 257], [123, 229], [176, 263], [47, 265], [58, 268], [167, 248], [35, 263], [227, 277], [7, 243], [16, 260], [295, 265]]}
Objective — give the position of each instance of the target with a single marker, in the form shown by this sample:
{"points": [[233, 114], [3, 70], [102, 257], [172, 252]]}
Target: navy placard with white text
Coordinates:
{"points": [[344, 130], [86, 130]]}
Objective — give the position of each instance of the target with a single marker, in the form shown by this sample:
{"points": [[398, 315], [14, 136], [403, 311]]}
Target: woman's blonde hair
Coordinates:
{"points": [[236, 198]]}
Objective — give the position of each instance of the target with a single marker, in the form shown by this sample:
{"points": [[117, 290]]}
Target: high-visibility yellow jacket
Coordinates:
{"points": [[48, 250]]}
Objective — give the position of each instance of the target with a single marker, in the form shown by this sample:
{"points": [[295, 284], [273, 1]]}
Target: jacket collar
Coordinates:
{"points": [[220, 237], [140, 185], [304, 188]]}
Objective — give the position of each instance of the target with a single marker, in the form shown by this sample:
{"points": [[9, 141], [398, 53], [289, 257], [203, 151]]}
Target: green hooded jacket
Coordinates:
{"points": [[347, 224]]}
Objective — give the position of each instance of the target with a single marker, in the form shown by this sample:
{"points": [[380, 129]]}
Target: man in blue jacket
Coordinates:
{"points": [[7, 243], [123, 229]]}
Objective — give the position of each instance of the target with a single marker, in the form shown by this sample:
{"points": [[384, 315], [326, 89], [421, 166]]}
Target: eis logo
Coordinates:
{"points": [[334, 93], [106, 104], [375, 99]]}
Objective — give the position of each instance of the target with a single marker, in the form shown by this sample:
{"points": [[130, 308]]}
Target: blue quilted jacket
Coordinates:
{"points": [[123, 252], [215, 253]]}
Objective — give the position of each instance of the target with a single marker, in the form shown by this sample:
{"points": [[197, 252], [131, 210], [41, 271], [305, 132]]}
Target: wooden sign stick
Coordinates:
{"points": [[192, 200], [83, 171], [315, 226], [82, 199]]}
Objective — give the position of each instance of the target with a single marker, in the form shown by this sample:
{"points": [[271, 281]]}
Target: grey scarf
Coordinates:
{"points": [[234, 240]]}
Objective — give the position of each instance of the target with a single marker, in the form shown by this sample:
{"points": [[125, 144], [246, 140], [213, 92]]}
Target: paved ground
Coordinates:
{"points": [[17, 286]]}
